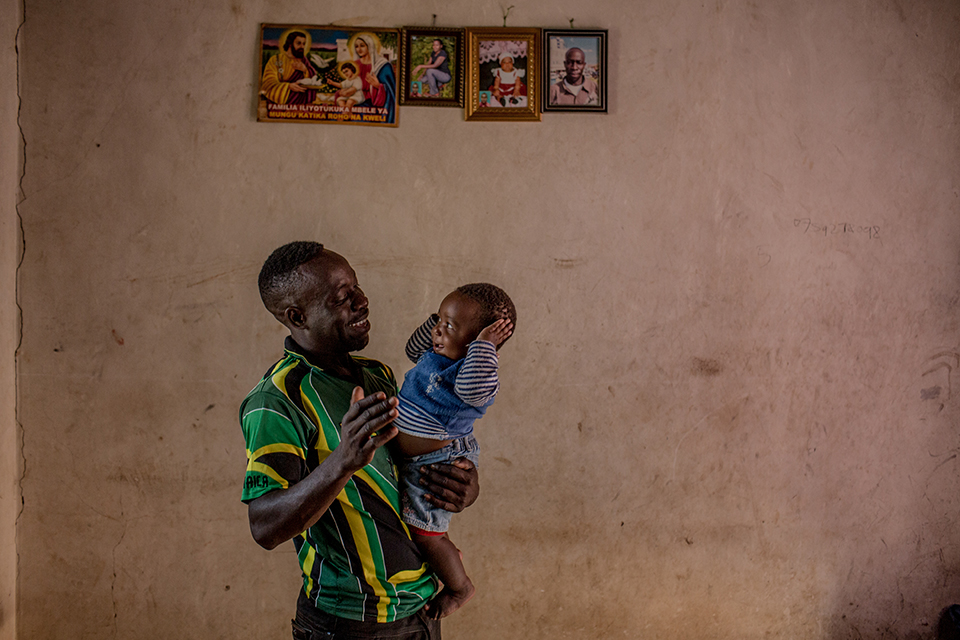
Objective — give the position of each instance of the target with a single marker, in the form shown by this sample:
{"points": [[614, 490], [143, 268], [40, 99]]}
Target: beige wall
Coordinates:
{"points": [[716, 420], [9, 321]]}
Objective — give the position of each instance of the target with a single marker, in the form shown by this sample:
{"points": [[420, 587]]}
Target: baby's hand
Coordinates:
{"points": [[497, 332]]}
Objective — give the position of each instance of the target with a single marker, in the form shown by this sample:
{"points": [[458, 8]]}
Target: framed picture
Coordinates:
{"points": [[502, 74], [575, 70], [431, 67], [336, 75]]}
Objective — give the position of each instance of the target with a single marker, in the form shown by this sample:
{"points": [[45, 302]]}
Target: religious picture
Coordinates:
{"points": [[575, 70], [328, 74]]}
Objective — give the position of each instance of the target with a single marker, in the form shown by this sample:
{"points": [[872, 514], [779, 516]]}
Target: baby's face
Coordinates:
{"points": [[347, 73], [459, 326], [507, 64]]}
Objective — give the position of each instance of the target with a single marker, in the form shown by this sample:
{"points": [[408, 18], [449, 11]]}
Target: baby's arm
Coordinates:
{"points": [[477, 382], [422, 339]]}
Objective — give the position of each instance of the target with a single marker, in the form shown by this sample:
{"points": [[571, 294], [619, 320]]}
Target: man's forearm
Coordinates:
{"points": [[280, 515]]}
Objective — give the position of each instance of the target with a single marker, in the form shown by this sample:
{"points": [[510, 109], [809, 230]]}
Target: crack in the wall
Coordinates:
{"points": [[16, 289], [113, 582]]}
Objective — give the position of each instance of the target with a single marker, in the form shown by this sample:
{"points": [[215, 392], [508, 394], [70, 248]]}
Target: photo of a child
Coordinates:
{"points": [[503, 67]]}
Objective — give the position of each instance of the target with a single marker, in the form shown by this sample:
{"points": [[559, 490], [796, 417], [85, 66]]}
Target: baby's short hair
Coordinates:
{"points": [[349, 65], [494, 303]]}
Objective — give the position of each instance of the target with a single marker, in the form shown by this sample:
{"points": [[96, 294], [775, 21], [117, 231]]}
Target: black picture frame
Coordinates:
{"points": [[592, 44], [417, 44]]}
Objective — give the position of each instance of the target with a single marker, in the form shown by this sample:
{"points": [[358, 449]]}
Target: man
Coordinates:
{"points": [[574, 87], [317, 470], [282, 73]]}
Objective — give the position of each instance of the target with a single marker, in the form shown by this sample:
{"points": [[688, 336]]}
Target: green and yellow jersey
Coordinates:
{"points": [[358, 561]]}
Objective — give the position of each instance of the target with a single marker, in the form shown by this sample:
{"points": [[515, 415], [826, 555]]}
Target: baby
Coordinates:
{"points": [[350, 90], [454, 382], [507, 86]]}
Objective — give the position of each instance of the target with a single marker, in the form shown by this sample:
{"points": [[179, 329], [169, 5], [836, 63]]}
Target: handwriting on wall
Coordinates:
{"points": [[807, 225]]}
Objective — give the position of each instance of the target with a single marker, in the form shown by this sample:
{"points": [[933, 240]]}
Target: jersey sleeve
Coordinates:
{"points": [[477, 382], [422, 339], [276, 446]]}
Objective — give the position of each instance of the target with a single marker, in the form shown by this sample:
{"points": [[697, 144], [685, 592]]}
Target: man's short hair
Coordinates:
{"points": [[279, 277], [494, 304], [293, 35]]}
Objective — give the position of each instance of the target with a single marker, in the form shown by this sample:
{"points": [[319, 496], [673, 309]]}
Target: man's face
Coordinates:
{"points": [[458, 326], [573, 63], [334, 307], [437, 46], [298, 46]]}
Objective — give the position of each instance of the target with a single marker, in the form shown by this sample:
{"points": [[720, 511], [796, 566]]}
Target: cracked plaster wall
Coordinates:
{"points": [[9, 323], [730, 409]]}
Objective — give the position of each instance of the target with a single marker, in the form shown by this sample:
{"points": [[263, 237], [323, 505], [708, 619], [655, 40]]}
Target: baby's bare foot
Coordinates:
{"points": [[449, 601]]}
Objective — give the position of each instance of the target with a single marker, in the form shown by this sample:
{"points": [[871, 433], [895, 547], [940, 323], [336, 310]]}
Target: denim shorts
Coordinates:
{"points": [[417, 511]]}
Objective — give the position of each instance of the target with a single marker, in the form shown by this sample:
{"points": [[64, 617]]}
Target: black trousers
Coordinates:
{"points": [[313, 624]]}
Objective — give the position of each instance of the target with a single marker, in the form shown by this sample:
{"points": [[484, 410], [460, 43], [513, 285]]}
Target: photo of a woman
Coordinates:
{"points": [[432, 60]]}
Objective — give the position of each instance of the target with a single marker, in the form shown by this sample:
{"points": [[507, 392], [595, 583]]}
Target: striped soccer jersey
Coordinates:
{"points": [[358, 561]]}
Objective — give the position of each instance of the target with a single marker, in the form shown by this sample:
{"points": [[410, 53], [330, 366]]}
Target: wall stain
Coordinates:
{"points": [[930, 394], [116, 337], [943, 361], [705, 367]]}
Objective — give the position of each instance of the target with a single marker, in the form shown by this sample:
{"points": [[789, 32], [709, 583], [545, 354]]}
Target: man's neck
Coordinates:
{"points": [[340, 365]]}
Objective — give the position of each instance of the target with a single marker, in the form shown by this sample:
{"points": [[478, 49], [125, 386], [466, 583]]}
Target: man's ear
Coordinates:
{"points": [[293, 317]]}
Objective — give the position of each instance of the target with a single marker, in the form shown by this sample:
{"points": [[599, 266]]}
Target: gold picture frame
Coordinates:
{"points": [[503, 74]]}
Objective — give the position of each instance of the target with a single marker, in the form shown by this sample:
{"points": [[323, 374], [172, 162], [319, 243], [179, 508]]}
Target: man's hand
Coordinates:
{"points": [[278, 516], [452, 487], [296, 87], [365, 428]]}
